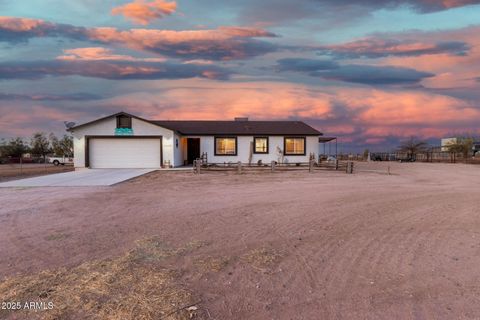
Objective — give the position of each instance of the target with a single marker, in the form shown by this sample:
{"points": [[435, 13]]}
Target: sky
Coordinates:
{"points": [[372, 72]]}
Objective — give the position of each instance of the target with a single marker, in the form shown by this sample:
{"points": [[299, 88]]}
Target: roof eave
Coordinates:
{"points": [[111, 116]]}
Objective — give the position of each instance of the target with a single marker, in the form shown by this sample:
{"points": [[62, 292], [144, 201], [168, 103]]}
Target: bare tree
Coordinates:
{"points": [[412, 147]]}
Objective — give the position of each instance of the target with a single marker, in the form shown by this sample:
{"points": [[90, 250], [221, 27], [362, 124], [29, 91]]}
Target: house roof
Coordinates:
{"points": [[105, 118], [214, 127], [326, 139], [198, 127]]}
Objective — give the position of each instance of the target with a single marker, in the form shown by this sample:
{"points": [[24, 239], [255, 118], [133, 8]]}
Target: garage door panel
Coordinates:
{"points": [[124, 153]]}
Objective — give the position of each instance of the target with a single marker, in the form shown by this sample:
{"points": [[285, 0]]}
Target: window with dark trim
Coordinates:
{"points": [[294, 146], [260, 145], [225, 146], [124, 122]]}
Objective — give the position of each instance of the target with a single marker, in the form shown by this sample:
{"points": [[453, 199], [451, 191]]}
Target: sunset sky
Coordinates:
{"points": [[372, 72]]}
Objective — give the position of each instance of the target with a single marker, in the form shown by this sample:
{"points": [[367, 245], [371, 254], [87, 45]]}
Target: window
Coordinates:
{"points": [[260, 145], [294, 146], [226, 146], [124, 122]]}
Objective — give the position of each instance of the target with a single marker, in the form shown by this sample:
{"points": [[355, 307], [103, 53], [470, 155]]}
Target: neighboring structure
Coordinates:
{"points": [[476, 148], [446, 142], [123, 140]]}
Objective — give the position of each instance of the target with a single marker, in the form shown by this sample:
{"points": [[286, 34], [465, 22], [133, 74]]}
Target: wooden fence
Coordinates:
{"points": [[238, 167], [429, 156]]}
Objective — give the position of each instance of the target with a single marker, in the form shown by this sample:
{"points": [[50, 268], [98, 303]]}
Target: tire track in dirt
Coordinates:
{"points": [[368, 256]]}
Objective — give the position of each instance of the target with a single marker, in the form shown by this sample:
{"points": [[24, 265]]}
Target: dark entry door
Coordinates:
{"points": [[193, 149]]}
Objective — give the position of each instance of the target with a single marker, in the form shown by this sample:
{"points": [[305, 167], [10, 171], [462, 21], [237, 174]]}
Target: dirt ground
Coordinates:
{"points": [[15, 171], [290, 245]]}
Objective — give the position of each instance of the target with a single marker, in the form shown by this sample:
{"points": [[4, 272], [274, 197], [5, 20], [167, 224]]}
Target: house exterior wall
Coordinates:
{"points": [[178, 152], [207, 144], [107, 127]]}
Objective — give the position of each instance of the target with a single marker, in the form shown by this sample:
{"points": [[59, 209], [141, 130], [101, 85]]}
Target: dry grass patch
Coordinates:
{"points": [[262, 258], [154, 249], [131, 286], [212, 263], [57, 236]]}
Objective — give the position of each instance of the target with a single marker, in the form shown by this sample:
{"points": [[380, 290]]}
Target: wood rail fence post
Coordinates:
{"points": [[310, 165], [350, 167], [239, 167], [273, 166], [336, 164], [197, 166]]}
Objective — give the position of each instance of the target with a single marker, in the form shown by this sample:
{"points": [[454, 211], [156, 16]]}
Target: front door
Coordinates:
{"points": [[193, 149]]}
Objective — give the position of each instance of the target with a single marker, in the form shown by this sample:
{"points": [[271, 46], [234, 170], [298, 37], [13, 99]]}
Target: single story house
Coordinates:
{"points": [[124, 140]]}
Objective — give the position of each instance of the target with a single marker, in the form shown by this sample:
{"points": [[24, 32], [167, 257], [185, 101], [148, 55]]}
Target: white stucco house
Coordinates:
{"points": [[124, 140]]}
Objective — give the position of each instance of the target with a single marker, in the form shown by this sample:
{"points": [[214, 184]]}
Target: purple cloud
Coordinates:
{"points": [[274, 11], [114, 70], [377, 47], [305, 65], [362, 74], [223, 43], [373, 75], [81, 96], [420, 5]]}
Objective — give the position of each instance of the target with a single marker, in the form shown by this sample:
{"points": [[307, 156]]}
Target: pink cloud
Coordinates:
{"points": [[205, 100], [223, 43], [413, 108], [383, 46], [144, 12], [453, 56], [23, 121], [357, 115], [452, 3], [20, 24], [100, 53], [153, 37], [353, 113], [245, 32]]}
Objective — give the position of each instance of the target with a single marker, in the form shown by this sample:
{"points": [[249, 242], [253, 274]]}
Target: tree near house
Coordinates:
{"points": [[366, 152], [15, 147], [40, 145], [62, 147], [412, 147], [2, 148]]}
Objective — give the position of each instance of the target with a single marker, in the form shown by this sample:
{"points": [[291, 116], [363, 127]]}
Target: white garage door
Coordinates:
{"points": [[124, 153]]}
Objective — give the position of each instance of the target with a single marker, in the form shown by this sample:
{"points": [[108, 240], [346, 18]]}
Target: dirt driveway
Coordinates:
{"points": [[268, 246]]}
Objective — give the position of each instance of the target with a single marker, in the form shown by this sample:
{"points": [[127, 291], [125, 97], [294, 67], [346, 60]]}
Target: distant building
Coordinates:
{"points": [[447, 142], [476, 148]]}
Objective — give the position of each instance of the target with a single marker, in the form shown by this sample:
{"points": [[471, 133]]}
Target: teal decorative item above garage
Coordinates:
{"points": [[123, 132]]}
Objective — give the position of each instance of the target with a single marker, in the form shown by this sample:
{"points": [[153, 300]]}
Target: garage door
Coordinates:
{"points": [[124, 152]]}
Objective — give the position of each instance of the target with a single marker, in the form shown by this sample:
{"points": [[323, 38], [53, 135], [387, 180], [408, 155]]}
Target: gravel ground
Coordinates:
{"points": [[290, 245]]}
